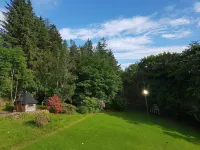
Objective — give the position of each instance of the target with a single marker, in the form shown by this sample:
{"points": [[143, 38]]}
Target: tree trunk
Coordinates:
{"points": [[11, 92], [16, 90]]}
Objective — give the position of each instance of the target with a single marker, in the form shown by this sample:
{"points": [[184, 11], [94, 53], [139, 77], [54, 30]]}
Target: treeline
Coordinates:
{"points": [[34, 57], [173, 81]]}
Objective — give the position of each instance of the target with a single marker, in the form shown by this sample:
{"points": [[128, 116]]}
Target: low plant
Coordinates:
{"points": [[42, 119], [15, 116], [69, 109], [83, 110], [92, 105], [4, 103]]}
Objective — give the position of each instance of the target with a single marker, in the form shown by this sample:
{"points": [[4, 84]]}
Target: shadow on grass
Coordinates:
{"points": [[169, 127], [30, 123], [188, 138]]}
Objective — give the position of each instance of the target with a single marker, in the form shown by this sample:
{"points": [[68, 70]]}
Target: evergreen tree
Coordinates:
{"points": [[19, 27], [47, 57], [88, 47], [74, 56]]}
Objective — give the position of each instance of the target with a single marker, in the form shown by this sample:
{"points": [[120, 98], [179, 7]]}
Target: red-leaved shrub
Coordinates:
{"points": [[54, 104]]}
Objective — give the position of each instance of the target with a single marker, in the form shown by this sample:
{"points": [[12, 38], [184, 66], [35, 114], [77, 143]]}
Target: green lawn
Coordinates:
{"points": [[109, 131], [123, 131], [17, 132]]}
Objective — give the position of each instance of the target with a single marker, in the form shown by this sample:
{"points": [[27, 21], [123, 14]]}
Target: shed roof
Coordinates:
{"points": [[26, 98]]}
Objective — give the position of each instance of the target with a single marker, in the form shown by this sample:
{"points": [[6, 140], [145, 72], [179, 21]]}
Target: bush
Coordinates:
{"points": [[54, 104], [9, 107], [92, 104], [3, 103], [119, 103], [40, 107], [69, 109], [42, 119], [83, 110]]}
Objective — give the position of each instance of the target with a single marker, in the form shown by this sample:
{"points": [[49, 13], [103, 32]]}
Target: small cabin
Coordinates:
{"points": [[25, 103]]}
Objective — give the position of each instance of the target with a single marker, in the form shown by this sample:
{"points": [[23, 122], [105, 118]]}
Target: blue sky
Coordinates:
{"points": [[133, 29]]}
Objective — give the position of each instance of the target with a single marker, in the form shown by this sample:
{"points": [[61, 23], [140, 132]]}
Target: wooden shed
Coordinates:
{"points": [[25, 103]]}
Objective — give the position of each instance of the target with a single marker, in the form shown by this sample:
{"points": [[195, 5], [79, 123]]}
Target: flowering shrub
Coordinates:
{"points": [[102, 105], [54, 104]]}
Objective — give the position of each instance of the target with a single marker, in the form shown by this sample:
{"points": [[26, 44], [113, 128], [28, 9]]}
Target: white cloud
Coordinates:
{"points": [[197, 6], [146, 51], [82, 34], [179, 21], [128, 43], [176, 21], [125, 26], [1, 14], [177, 34], [2, 17], [133, 38], [135, 25], [124, 66], [67, 34], [138, 47]]}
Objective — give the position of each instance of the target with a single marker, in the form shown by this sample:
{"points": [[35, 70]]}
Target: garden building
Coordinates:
{"points": [[25, 103]]}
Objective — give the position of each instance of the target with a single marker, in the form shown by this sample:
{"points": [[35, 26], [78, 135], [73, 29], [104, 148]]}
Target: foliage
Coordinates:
{"points": [[3, 103], [42, 119], [119, 103], [172, 79], [15, 116], [6, 105], [46, 54], [73, 72], [14, 75], [69, 109], [92, 104], [83, 110], [35, 58], [98, 73], [9, 107], [19, 26], [54, 104]]}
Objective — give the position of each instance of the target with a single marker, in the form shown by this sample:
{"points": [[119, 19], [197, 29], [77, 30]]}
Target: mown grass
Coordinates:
{"points": [[16, 132], [110, 131], [127, 131]]}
